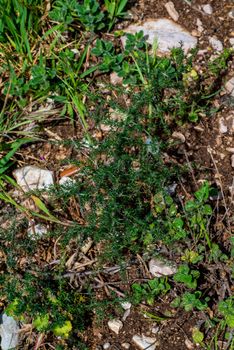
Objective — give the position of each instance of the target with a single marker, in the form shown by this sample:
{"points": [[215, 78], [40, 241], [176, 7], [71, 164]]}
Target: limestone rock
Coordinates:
{"points": [[115, 325], [167, 34], [222, 126], [158, 268], [232, 160], [215, 43], [231, 40], [143, 342], [170, 7], [9, 330], [31, 178], [207, 9], [229, 86]]}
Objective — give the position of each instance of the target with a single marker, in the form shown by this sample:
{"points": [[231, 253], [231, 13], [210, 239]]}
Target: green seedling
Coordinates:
{"points": [[187, 276], [197, 336], [115, 9], [149, 291], [88, 13], [226, 309], [190, 301]]}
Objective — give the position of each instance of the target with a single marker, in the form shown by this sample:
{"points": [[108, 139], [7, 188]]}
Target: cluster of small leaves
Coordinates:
{"points": [[190, 301], [89, 13], [187, 276], [149, 291], [226, 309]]}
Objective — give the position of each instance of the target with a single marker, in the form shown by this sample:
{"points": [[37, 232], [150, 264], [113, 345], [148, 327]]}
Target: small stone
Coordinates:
{"points": [[207, 9], [106, 346], [232, 160], [115, 79], [9, 330], [229, 86], [167, 34], [125, 346], [178, 136], [222, 127], [31, 178], [158, 268], [215, 43], [231, 14], [189, 344], [231, 40], [144, 342], [199, 25], [170, 7], [230, 149], [155, 330], [115, 325], [126, 314], [126, 305]]}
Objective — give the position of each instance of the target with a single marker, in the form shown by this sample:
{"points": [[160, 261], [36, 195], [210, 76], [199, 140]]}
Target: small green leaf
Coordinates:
{"points": [[197, 335]]}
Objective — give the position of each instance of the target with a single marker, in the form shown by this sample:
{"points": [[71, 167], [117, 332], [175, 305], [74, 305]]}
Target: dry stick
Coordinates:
{"points": [[145, 268], [190, 168], [120, 294], [221, 187], [110, 270]]}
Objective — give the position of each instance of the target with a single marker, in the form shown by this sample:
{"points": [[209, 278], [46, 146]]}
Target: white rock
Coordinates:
{"points": [[207, 9], [158, 268], [229, 86], [33, 178], [9, 330], [115, 325], [232, 160], [106, 346], [170, 7], [215, 43], [155, 330], [222, 127], [36, 231], [125, 346], [167, 34], [199, 25], [126, 314], [144, 342], [231, 14], [231, 40], [189, 344], [126, 305]]}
